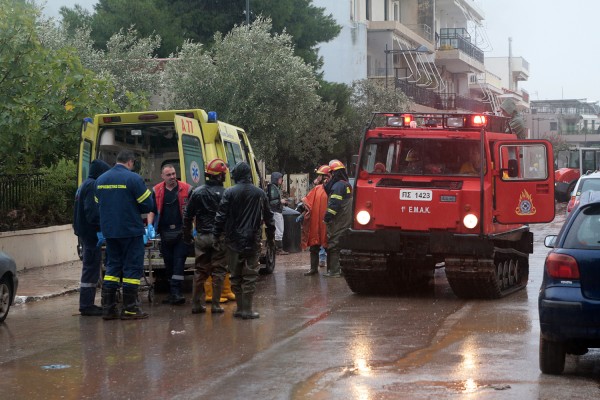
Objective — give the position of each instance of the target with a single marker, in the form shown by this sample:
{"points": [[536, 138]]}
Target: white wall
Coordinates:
{"points": [[345, 57], [40, 247]]}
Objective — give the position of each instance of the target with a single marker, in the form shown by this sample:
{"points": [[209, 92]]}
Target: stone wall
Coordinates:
{"points": [[40, 247]]}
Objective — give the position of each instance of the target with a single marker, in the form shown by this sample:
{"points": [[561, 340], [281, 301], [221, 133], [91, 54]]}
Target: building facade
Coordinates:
{"points": [[576, 121], [429, 49]]}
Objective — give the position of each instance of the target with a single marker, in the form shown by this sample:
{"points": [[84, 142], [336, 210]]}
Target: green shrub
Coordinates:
{"points": [[52, 204]]}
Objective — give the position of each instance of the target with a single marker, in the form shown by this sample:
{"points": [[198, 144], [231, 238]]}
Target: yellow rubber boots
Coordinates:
{"points": [[226, 289]]}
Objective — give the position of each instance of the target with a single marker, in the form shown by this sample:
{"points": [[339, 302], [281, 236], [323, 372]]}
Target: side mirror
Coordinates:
{"points": [[513, 168], [549, 241]]}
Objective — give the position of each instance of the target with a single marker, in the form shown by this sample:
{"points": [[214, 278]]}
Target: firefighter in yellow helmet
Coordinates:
{"points": [[414, 164], [211, 260], [338, 217]]}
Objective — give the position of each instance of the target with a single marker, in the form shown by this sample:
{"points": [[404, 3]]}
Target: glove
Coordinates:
{"points": [[194, 232], [300, 218], [101, 239], [150, 231], [145, 237], [328, 218]]}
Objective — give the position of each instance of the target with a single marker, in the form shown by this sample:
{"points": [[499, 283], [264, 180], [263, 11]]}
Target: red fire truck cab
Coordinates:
{"points": [[451, 190]]}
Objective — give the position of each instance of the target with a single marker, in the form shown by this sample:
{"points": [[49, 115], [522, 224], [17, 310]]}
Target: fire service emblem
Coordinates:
{"points": [[526, 206]]}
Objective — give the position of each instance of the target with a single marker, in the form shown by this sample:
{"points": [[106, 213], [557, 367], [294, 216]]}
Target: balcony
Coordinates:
{"points": [[439, 101], [457, 53], [520, 69]]}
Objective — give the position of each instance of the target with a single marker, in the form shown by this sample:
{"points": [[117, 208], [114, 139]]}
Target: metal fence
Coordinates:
{"points": [[18, 188]]}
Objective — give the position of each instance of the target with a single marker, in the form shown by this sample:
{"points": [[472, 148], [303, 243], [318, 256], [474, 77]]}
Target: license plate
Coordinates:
{"points": [[416, 195]]}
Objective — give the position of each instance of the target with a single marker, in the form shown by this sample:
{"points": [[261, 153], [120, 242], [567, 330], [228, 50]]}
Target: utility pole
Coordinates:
{"points": [[247, 12]]}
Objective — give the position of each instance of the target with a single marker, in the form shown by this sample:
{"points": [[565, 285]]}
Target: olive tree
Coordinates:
{"points": [[252, 78], [44, 93]]}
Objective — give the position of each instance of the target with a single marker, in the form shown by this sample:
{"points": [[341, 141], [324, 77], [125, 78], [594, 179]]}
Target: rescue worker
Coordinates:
{"points": [[473, 165], [338, 216], [241, 213], [314, 232], [414, 164], [86, 224], [517, 124], [276, 203], [210, 261], [122, 196], [170, 199]]}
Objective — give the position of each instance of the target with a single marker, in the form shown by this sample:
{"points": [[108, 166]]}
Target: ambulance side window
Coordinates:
{"points": [[234, 153]]}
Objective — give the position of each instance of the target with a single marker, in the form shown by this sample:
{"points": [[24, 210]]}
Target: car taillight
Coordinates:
{"points": [[562, 266], [572, 204]]}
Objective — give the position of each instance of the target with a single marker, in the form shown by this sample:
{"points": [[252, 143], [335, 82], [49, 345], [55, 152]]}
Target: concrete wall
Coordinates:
{"points": [[40, 247]]}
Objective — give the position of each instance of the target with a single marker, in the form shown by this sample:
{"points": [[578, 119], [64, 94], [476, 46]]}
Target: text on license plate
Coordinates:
{"points": [[415, 195]]}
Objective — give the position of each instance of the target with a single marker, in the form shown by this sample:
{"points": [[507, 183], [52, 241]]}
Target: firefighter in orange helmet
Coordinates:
{"points": [[338, 216], [314, 232], [211, 258]]}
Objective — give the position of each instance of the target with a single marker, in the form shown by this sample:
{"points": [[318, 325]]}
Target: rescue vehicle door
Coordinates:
{"points": [[523, 182], [191, 150], [86, 149]]}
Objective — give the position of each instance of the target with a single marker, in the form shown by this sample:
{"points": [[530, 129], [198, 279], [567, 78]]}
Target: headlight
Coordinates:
{"points": [[363, 217], [470, 221]]}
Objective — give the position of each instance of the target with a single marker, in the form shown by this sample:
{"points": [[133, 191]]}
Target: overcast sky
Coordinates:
{"points": [[558, 39]]}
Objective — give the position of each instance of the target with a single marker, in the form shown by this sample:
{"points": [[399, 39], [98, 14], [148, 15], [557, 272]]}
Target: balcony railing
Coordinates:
{"points": [[440, 101], [459, 39]]}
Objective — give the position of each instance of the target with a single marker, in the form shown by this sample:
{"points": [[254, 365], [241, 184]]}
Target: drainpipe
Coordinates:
{"points": [[510, 77]]}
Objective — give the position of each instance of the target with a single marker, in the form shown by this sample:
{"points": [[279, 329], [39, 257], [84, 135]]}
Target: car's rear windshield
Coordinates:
{"points": [[589, 184], [584, 233]]}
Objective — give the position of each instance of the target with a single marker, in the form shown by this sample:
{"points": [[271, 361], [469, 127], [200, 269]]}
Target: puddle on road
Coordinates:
{"points": [[370, 378]]}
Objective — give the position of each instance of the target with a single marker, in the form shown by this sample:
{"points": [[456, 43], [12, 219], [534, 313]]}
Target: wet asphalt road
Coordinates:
{"points": [[315, 339]]}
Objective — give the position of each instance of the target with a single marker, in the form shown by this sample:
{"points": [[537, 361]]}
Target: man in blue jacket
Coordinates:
{"points": [[122, 196], [86, 224]]}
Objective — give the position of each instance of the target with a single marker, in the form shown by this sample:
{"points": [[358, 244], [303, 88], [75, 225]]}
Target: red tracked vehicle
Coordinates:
{"points": [[446, 190]]}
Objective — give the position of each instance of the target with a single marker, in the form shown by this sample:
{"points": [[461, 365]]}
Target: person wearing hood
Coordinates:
{"points": [[314, 232], [86, 224], [239, 219], [338, 217], [276, 204], [516, 123]]}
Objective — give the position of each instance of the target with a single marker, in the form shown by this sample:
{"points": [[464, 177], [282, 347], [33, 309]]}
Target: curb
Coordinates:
{"points": [[30, 299]]}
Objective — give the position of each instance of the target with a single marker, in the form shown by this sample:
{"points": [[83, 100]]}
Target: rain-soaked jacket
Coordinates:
{"points": [[242, 210], [314, 231], [122, 197], [517, 124], [338, 217], [203, 205], [86, 218], [274, 193]]}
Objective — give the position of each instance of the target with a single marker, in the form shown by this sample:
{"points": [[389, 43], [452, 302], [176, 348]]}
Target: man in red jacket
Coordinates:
{"points": [[170, 198]]}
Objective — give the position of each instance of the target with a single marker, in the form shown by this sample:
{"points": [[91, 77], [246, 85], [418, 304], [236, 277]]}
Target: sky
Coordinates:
{"points": [[557, 39]]}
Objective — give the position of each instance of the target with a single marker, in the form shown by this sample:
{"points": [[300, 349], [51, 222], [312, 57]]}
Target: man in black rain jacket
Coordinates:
{"points": [[241, 213]]}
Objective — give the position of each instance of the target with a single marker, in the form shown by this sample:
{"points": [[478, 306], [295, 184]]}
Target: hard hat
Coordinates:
{"points": [[216, 167], [334, 165], [379, 167], [412, 155], [323, 170]]}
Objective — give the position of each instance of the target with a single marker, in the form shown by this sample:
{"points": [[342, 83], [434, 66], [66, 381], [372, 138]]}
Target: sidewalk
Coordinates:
{"points": [[45, 282]]}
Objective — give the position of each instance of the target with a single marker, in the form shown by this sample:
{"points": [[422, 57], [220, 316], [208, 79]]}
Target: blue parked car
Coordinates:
{"points": [[569, 300]]}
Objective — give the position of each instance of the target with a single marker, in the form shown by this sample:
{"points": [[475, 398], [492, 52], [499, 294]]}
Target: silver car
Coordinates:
{"points": [[8, 284]]}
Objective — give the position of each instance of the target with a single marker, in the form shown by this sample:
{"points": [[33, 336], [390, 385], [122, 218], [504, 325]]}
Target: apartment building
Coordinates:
{"points": [[429, 49], [577, 121]]}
